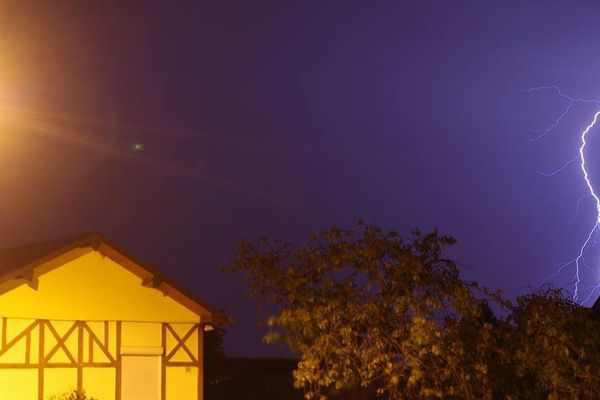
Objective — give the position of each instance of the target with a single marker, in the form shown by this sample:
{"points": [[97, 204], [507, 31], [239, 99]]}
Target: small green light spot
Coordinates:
{"points": [[137, 147]]}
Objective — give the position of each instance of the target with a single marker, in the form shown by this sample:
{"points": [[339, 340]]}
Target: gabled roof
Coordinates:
{"points": [[19, 263]]}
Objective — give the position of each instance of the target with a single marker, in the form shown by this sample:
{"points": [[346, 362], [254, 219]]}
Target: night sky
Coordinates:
{"points": [[178, 128]]}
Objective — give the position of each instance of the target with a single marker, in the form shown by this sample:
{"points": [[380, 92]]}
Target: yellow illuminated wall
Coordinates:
{"points": [[92, 287], [102, 295], [188, 377]]}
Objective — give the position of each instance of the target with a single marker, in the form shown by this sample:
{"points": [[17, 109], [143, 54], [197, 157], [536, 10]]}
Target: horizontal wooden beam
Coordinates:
{"points": [[181, 364], [56, 365]]}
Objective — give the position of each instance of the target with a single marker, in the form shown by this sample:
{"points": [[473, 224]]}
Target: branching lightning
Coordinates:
{"points": [[592, 237], [586, 177]]}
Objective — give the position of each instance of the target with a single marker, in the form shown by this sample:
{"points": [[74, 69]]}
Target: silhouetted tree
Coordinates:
{"points": [[369, 307], [73, 394], [555, 348]]}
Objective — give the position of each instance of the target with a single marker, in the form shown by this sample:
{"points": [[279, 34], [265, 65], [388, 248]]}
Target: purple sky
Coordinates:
{"points": [[281, 118]]}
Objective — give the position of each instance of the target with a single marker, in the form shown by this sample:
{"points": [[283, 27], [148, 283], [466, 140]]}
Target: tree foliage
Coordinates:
{"points": [[369, 307], [73, 394], [555, 347]]}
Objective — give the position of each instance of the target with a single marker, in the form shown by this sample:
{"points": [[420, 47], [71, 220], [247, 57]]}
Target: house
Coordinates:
{"points": [[81, 313]]}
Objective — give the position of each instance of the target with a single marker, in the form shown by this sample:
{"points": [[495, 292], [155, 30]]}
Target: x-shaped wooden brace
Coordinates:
{"points": [[60, 342], [181, 343]]}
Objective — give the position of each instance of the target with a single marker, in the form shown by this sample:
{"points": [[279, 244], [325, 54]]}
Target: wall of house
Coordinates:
{"points": [[90, 287], [83, 318], [69, 348], [60, 346], [187, 377]]}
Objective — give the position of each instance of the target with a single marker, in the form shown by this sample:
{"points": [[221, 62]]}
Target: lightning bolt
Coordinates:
{"points": [[592, 237], [586, 177]]}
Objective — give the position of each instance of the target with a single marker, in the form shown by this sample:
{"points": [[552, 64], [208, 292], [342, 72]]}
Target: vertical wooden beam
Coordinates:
{"points": [[28, 348], [118, 357], [3, 332], [106, 334], [90, 343], [200, 358], [163, 363], [41, 359], [79, 356]]}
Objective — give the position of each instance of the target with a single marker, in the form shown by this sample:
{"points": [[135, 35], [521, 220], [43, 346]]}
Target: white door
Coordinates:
{"points": [[140, 377]]}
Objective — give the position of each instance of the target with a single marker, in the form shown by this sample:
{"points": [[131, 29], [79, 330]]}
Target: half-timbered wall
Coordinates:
{"points": [[40, 358], [69, 323]]}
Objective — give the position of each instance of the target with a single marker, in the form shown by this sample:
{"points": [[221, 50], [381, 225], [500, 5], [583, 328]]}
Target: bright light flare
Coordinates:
{"points": [[82, 132]]}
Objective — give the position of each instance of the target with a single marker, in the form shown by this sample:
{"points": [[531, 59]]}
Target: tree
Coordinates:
{"points": [[73, 394], [368, 307], [556, 348]]}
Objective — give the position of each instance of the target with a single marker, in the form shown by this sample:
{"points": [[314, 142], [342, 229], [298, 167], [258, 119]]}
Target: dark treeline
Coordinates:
{"points": [[371, 309]]}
